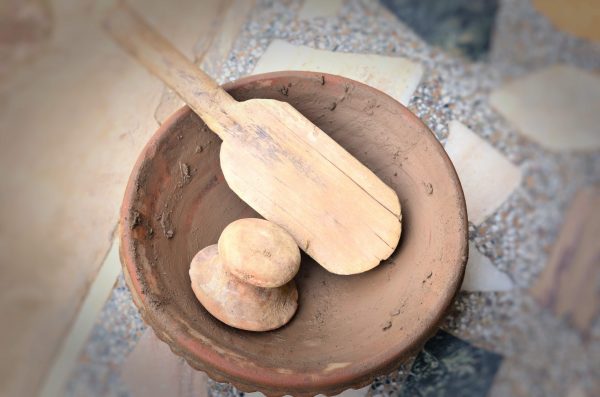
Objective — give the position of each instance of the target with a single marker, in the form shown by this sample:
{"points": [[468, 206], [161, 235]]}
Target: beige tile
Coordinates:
{"points": [[86, 317], [556, 107], [398, 77], [577, 17], [152, 370], [568, 285], [486, 176], [72, 122], [482, 275], [319, 8]]}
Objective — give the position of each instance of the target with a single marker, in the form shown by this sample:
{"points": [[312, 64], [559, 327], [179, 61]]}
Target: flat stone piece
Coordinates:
{"points": [[482, 275], [449, 366], [486, 175], [319, 9], [557, 107], [568, 285], [397, 77]]}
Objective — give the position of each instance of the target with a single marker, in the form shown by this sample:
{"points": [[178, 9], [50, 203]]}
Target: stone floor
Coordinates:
{"points": [[513, 101]]}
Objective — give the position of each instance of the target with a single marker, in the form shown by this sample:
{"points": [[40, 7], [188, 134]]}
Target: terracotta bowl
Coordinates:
{"points": [[348, 329]]}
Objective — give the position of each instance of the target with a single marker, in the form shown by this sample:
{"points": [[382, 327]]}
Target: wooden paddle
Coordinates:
{"points": [[278, 162]]}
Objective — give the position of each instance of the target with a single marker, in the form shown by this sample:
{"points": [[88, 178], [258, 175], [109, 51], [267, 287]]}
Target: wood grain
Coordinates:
{"points": [[278, 162]]}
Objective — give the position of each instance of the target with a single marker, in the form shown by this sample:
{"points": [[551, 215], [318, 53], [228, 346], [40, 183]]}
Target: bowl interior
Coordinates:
{"points": [[347, 328]]}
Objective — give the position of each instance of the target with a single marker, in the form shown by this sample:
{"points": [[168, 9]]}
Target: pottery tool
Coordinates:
{"points": [[278, 162]]}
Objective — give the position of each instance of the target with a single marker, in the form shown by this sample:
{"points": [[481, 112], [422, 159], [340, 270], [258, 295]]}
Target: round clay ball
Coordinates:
{"points": [[236, 303], [259, 252]]}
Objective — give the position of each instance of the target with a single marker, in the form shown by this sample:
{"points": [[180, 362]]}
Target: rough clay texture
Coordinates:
{"points": [[177, 202]]}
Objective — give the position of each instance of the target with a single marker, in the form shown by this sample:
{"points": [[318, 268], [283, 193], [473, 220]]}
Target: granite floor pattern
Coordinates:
{"points": [[501, 337]]}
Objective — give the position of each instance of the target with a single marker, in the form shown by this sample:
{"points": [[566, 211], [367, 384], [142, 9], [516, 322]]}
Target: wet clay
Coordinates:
{"points": [[348, 329]]}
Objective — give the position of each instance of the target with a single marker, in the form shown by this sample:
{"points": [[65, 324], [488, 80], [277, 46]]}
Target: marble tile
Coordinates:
{"points": [[487, 177], [152, 370], [460, 26], [72, 122], [319, 8], [116, 332], [397, 77], [557, 107], [481, 275], [98, 293], [568, 285], [577, 17], [449, 366], [26, 27]]}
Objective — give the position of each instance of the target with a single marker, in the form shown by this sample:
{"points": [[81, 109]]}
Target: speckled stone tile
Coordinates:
{"points": [[543, 355], [525, 40]]}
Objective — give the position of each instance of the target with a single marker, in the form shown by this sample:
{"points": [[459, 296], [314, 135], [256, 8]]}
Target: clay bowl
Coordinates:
{"points": [[348, 329]]}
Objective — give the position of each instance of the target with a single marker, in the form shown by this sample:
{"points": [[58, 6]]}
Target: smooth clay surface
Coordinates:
{"points": [[348, 329], [259, 252], [235, 302]]}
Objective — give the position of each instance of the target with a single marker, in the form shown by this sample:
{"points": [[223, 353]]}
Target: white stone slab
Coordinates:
{"points": [[482, 275], [397, 77], [70, 349], [319, 8], [487, 177], [558, 107]]}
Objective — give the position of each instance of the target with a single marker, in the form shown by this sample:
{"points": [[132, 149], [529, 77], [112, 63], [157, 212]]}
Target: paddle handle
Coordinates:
{"points": [[206, 98]]}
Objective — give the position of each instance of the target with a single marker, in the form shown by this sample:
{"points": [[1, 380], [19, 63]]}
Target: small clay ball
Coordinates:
{"points": [[236, 303], [259, 252]]}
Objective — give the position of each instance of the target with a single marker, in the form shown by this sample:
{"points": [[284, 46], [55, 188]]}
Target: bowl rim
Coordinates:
{"points": [[202, 356]]}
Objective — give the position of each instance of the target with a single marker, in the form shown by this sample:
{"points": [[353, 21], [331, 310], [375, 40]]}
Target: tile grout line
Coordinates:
{"points": [[74, 342]]}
